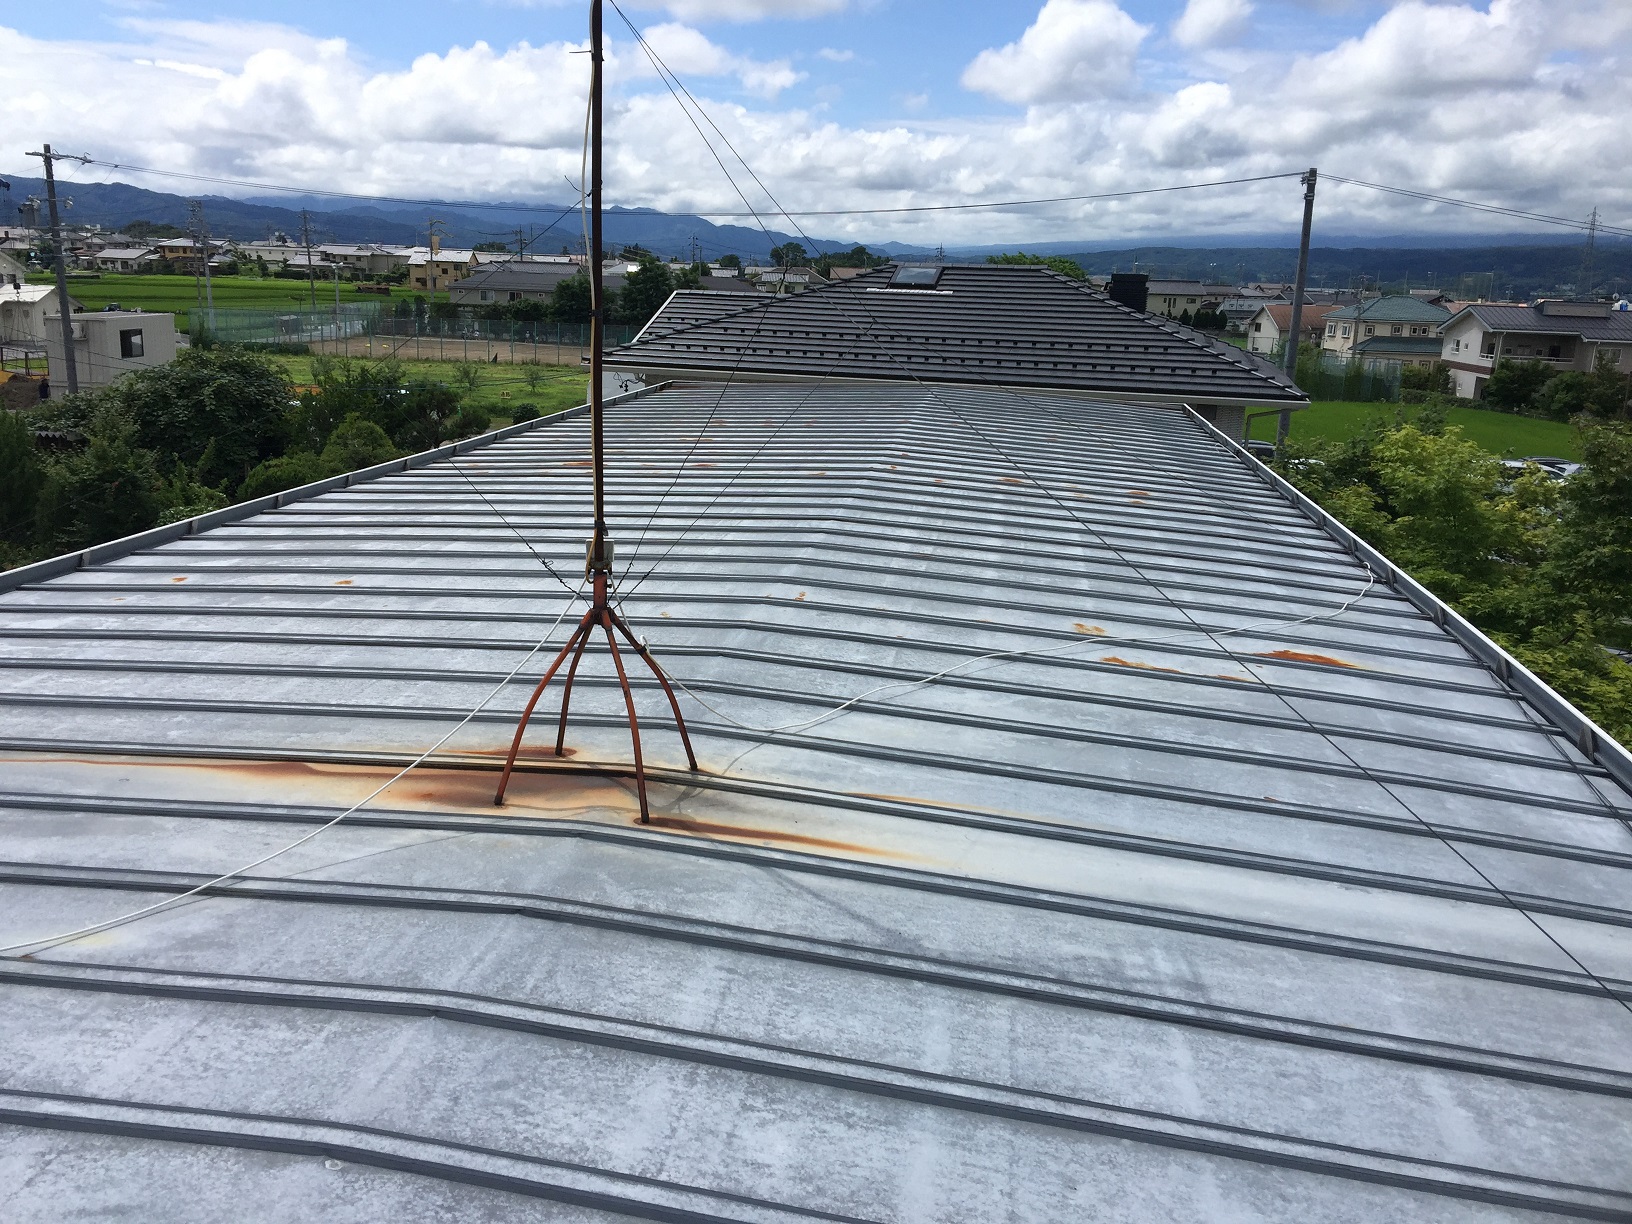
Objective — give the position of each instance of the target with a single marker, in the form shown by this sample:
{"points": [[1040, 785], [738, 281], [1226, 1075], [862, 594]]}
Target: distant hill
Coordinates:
{"points": [[1491, 271], [116, 204]]}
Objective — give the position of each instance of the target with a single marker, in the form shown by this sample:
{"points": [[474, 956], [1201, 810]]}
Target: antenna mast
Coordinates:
{"points": [[598, 563]]}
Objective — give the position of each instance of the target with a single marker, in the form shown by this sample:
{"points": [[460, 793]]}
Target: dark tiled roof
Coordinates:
{"points": [[1618, 326], [998, 324], [1410, 347]]}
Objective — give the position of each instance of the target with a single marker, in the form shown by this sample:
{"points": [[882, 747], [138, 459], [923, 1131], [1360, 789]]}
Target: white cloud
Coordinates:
{"points": [[1075, 49], [835, 56], [747, 10], [1210, 23], [1516, 101]]}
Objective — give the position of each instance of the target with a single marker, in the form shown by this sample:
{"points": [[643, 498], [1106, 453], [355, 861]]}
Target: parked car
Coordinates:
{"points": [[1260, 450]]}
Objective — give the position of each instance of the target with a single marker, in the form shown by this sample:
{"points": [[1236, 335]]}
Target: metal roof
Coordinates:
{"points": [[1158, 921], [1617, 326], [984, 324], [1393, 308]]}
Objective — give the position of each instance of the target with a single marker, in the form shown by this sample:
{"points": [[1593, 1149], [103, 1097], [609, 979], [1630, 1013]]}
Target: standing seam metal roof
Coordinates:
{"points": [[1141, 925], [983, 324]]}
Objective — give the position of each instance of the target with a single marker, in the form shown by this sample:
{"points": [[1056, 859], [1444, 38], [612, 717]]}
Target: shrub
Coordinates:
{"points": [[285, 472]]}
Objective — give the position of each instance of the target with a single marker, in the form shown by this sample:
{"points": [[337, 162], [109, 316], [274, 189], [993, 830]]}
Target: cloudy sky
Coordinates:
{"points": [[855, 104]]}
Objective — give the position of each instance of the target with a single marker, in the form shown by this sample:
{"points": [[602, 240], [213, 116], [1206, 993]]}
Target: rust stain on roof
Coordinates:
{"points": [[343, 582], [1304, 656], [1093, 630], [1121, 662], [183, 578], [698, 465], [799, 596], [1239, 679], [578, 463], [711, 829], [1138, 493]]}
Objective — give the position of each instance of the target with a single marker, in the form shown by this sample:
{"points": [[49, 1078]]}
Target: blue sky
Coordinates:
{"points": [[863, 103]]}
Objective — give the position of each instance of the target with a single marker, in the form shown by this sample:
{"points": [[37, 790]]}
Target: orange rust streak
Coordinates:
{"points": [[343, 582], [698, 465], [1121, 662], [704, 828], [1240, 679], [1089, 629], [1303, 656], [1137, 493], [799, 596], [1011, 480], [183, 579]]}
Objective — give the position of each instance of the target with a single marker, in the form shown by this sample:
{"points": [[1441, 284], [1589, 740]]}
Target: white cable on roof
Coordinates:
{"points": [[51, 941]]}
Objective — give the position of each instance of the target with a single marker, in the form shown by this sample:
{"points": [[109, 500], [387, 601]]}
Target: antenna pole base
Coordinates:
{"points": [[603, 616]]}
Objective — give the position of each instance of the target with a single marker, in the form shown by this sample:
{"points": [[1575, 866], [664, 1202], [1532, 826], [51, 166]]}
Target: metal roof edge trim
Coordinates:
{"points": [[112, 550], [714, 374], [1593, 741]]}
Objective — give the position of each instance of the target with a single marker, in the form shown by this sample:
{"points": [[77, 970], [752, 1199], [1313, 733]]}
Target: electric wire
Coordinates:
{"points": [[46, 942]]}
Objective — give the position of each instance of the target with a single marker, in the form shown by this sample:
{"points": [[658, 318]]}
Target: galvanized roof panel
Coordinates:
{"points": [[1162, 912]]}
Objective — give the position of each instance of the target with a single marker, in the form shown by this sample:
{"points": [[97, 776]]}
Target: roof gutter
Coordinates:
{"points": [[1594, 742], [53, 567]]}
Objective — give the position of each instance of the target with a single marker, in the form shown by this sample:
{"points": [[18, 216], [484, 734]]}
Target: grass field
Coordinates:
{"points": [[1501, 433], [178, 293], [498, 388]]}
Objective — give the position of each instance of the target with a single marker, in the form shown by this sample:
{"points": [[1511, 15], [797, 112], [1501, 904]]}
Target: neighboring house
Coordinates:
{"points": [[517, 281], [1172, 298], [12, 270], [108, 344], [273, 253], [789, 280], [125, 259], [1267, 329], [977, 324], [432, 269], [1387, 320], [364, 259], [23, 310], [1563, 335]]}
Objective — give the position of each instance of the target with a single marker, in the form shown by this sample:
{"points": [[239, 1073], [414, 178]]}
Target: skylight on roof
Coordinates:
{"points": [[916, 278]]}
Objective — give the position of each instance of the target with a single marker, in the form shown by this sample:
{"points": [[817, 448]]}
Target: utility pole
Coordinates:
{"points": [[306, 240], [1589, 269], [1283, 426], [201, 244], [69, 359], [600, 548]]}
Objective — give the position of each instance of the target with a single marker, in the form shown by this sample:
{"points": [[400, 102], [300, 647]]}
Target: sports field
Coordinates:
{"points": [[499, 387], [180, 295], [1501, 433]]}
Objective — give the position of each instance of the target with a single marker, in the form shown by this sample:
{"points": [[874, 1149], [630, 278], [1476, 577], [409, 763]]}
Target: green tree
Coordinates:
{"points": [[110, 489], [789, 255], [644, 292], [21, 479], [285, 472], [470, 420], [469, 375], [427, 409], [356, 443], [1054, 263], [1601, 393], [1514, 385], [497, 248], [729, 261], [570, 301]]}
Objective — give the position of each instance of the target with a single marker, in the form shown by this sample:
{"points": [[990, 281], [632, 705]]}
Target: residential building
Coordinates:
{"points": [[1402, 326], [363, 258], [125, 259], [1267, 330], [1160, 853], [787, 280], [432, 269], [976, 324], [1173, 298], [1564, 335], [108, 344], [18, 240], [516, 281], [12, 270], [23, 310]]}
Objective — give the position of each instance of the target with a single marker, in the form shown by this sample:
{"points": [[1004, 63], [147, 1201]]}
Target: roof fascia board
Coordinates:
{"points": [[112, 550], [1594, 742], [709, 374]]}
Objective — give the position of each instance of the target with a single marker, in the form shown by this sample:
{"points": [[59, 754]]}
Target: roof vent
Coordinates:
{"points": [[1580, 310], [916, 277]]}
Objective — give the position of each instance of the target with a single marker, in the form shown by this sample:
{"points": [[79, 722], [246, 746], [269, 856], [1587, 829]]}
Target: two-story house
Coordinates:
{"points": [[1171, 298], [1564, 335], [1386, 329], [1267, 328]]}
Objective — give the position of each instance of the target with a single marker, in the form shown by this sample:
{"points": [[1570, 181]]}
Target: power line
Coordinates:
{"points": [[1498, 209]]}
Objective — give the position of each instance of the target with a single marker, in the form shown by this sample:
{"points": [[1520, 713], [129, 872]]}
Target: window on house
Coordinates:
{"points": [[1611, 356], [1331, 329], [1257, 327], [1553, 351], [130, 343], [1345, 329], [1456, 346], [1490, 348], [487, 295], [1371, 331], [1398, 329]]}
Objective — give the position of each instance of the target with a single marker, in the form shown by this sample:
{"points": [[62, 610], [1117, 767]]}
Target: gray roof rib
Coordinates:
{"points": [[981, 324], [1187, 892]]}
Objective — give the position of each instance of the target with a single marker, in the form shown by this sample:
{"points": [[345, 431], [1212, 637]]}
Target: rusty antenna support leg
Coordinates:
{"points": [[603, 616]]}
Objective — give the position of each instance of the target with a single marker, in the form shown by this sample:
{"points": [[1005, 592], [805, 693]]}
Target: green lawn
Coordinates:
{"points": [[178, 293], [499, 385], [1501, 433]]}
